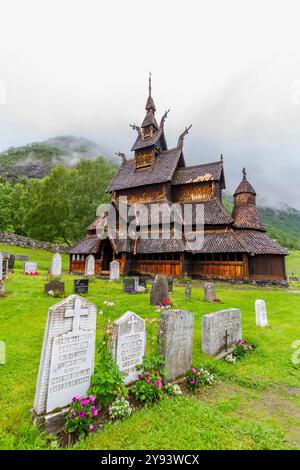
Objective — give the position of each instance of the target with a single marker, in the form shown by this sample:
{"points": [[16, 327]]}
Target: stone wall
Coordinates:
{"points": [[24, 242]]}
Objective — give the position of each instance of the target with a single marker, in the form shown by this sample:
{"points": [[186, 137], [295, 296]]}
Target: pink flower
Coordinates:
{"points": [[193, 370], [92, 398], [85, 402], [192, 381], [91, 428], [147, 379], [158, 383], [94, 411], [139, 376], [81, 413], [147, 373]]}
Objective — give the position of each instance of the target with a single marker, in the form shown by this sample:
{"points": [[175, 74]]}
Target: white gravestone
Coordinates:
{"points": [[114, 270], [129, 344], [90, 266], [55, 269], [220, 330], [261, 313], [177, 335], [30, 267], [67, 359]]}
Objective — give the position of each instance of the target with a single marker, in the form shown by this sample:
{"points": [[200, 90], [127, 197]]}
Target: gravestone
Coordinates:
{"points": [[2, 288], [129, 344], [177, 331], [55, 286], [4, 265], [11, 263], [30, 267], [143, 282], [159, 290], [170, 284], [1, 266], [130, 284], [220, 330], [114, 270], [67, 359], [81, 286], [209, 292], [22, 258], [55, 268], [188, 292], [261, 313], [90, 266]]}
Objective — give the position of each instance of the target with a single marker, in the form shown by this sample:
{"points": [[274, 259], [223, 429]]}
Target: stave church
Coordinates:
{"points": [[235, 245]]}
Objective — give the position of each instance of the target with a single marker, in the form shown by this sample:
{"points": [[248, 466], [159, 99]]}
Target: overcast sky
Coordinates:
{"points": [[231, 68]]}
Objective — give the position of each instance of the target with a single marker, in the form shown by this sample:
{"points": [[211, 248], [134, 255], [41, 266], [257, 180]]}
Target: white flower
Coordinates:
{"points": [[101, 312]]}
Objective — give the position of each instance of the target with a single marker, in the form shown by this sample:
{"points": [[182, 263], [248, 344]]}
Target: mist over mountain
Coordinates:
{"points": [[35, 160]]}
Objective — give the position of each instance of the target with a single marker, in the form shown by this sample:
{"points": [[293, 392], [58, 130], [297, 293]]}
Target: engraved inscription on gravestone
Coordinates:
{"points": [[209, 292], [30, 267], [67, 359], [261, 313], [81, 286], [129, 344], [55, 286]]}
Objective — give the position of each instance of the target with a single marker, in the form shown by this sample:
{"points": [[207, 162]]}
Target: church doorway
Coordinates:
{"points": [[107, 256]]}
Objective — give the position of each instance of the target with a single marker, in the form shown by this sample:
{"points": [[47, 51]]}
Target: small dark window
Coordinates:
{"points": [[239, 257], [209, 257], [231, 256]]}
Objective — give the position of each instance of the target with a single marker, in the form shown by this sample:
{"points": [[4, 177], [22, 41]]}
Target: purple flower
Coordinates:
{"points": [[81, 413], [92, 398], [139, 376], [193, 370], [85, 402], [94, 411], [77, 398], [192, 381]]}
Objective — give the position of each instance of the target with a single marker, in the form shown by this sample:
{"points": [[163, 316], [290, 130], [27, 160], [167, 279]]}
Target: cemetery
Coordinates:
{"points": [[83, 357]]}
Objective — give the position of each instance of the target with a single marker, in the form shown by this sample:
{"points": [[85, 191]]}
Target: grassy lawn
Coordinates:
{"points": [[293, 263], [255, 404]]}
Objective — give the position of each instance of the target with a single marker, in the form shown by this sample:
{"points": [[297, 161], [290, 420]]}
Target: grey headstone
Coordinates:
{"points": [[216, 326], [129, 344], [188, 292], [261, 313], [177, 335], [159, 290], [114, 270], [67, 359], [209, 292], [22, 258], [30, 267], [11, 263], [55, 268], [90, 266], [130, 284], [1, 265]]}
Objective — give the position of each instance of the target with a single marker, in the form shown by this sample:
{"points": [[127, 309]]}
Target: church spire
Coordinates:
{"points": [[150, 120], [150, 106]]}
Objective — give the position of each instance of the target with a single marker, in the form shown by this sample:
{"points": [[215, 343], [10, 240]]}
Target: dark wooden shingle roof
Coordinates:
{"points": [[198, 173], [247, 216], [162, 171]]}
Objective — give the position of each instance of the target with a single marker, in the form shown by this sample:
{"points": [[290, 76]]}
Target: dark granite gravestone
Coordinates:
{"points": [[11, 263], [130, 284], [81, 286], [22, 258], [170, 284], [55, 286], [159, 290]]}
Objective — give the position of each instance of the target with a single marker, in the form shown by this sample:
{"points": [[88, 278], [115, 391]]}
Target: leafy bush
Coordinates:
{"points": [[195, 378], [241, 348], [81, 415], [107, 381], [148, 388], [120, 408]]}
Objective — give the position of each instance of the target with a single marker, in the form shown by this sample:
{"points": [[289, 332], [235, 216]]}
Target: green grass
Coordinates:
{"points": [[255, 404], [293, 263]]}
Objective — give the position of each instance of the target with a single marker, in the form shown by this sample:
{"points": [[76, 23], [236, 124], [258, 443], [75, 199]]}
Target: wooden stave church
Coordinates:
{"points": [[236, 246]]}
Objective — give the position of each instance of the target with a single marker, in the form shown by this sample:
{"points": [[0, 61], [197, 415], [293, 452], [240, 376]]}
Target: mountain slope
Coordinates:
{"points": [[35, 160]]}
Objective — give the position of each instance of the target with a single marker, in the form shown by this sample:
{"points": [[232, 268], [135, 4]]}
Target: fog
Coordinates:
{"points": [[232, 69]]}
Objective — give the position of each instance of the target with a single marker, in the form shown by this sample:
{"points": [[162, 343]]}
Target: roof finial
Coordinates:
{"points": [[244, 173], [182, 136], [123, 156], [221, 157], [150, 82]]}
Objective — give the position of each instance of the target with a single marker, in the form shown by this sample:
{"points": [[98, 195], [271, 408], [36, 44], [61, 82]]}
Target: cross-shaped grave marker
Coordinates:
{"points": [[76, 313], [132, 321]]}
